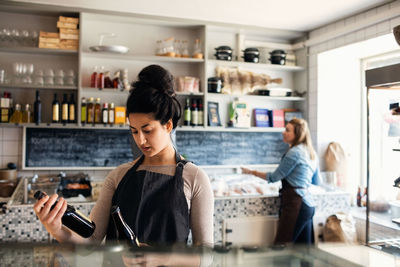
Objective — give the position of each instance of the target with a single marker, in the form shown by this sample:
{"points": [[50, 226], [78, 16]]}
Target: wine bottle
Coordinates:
{"points": [[71, 109], [123, 230], [37, 109], [64, 110], [56, 110], [73, 219], [187, 113]]}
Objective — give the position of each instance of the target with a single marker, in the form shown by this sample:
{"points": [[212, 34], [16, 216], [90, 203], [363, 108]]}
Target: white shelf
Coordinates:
{"points": [[281, 98], [105, 90], [68, 125], [255, 65], [228, 129], [36, 50], [103, 55], [33, 86], [189, 93]]}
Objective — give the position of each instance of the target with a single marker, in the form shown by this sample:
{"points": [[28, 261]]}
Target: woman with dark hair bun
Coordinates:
{"points": [[161, 196]]}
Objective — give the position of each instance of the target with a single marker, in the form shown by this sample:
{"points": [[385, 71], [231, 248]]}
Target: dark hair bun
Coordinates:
{"points": [[158, 78]]}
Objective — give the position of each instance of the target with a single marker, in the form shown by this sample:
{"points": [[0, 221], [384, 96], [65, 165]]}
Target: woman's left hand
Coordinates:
{"points": [[147, 259], [246, 171]]}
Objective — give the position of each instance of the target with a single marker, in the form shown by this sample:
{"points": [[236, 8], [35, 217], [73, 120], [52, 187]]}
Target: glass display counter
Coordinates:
{"points": [[34, 254]]}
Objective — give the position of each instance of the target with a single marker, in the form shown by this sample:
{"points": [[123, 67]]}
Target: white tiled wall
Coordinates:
{"points": [[363, 34]]}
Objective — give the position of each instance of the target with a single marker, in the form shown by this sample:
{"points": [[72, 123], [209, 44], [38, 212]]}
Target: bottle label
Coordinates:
{"points": [[56, 113], [72, 112], [187, 115], [105, 116], [200, 117], [90, 115], [83, 114], [64, 115], [111, 117], [195, 117]]}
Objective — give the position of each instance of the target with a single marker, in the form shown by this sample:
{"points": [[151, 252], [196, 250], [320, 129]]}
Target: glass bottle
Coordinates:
{"points": [[194, 115], [107, 80], [56, 110], [185, 49], [197, 53], [177, 48], [187, 113], [200, 112], [37, 109], [123, 231], [111, 114], [116, 80], [83, 111], [64, 109], [104, 113], [5, 107], [27, 114], [94, 78], [16, 117], [71, 109], [97, 111], [101, 78], [73, 219], [90, 110]]}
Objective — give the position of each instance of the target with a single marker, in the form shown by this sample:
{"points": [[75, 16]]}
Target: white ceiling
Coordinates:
{"points": [[295, 15]]}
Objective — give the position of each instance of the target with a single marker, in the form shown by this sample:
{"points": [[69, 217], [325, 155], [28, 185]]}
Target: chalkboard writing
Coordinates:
{"points": [[231, 148], [70, 147]]}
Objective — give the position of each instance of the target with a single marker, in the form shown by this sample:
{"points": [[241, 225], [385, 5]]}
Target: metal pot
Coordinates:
{"points": [[223, 53], [278, 57], [251, 54], [214, 85]]}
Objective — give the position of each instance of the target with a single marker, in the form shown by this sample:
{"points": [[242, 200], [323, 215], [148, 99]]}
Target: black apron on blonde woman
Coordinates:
{"points": [[153, 204], [294, 215]]}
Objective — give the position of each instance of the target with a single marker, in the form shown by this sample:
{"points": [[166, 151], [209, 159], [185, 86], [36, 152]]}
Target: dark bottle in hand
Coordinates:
{"points": [[73, 219], [123, 230]]}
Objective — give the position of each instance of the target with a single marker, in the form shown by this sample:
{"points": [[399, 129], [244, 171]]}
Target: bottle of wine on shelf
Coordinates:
{"points": [[64, 110], [73, 219], [56, 110], [37, 109], [187, 113], [123, 231], [71, 109]]}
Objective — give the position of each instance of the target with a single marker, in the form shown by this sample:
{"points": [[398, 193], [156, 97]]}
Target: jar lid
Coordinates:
{"points": [[214, 79], [251, 49], [223, 47], [278, 52]]}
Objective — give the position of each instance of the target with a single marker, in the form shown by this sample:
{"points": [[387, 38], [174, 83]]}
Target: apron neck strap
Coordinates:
{"points": [[177, 159]]}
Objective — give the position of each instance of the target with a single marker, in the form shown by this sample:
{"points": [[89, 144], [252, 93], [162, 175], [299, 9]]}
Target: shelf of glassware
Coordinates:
{"points": [[133, 57], [34, 86], [37, 51], [228, 129], [264, 66], [261, 97]]}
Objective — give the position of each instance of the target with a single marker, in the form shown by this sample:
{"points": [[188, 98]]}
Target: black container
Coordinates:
{"points": [[278, 57], [223, 53], [73, 219], [74, 186], [215, 85], [251, 54]]}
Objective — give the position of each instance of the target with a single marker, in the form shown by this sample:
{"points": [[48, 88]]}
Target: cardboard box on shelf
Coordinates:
{"points": [[68, 19], [120, 117], [278, 118], [69, 42], [49, 40], [291, 114], [49, 45], [262, 117], [49, 34], [69, 31], [69, 36], [67, 25]]}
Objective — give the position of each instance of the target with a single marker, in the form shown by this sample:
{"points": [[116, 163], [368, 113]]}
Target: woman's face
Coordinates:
{"points": [[288, 134], [149, 135]]}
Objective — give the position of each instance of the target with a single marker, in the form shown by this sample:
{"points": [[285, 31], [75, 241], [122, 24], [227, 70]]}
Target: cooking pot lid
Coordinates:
{"points": [[214, 79], [223, 47], [278, 52], [251, 49]]}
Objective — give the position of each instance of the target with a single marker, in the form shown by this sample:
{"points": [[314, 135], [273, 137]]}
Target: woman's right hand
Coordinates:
{"points": [[246, 171], [51, 219]]}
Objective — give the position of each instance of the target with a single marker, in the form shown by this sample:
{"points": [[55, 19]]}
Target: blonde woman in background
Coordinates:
{"points": [[297, 170]]}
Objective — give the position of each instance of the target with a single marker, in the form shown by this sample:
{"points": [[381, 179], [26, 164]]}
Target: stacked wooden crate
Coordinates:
{"points": [[66, 38]]}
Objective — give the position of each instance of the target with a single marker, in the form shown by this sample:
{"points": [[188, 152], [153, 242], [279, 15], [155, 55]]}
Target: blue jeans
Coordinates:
{"points": [[303, 231]]}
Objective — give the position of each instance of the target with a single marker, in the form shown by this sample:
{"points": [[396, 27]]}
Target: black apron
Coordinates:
{"points": [[153, 205], [288, 212]]}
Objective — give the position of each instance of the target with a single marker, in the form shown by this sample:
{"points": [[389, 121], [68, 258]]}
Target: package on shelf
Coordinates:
{"points": [[188, 84], [262, 117], [239, 114], [120, 117], [67, 25], [69, 44], [68, 19], [278, 118], [49, 45], [69, 36], [291, 113], [49, 40], [290, 59], [49, 34]]}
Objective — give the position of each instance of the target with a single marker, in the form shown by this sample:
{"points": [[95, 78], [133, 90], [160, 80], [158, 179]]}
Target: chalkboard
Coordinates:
{"points": [[75, 147], [231, 148]]}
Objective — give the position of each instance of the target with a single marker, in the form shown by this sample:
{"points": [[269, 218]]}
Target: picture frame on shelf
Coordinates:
{"points": [[213, 114]]}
